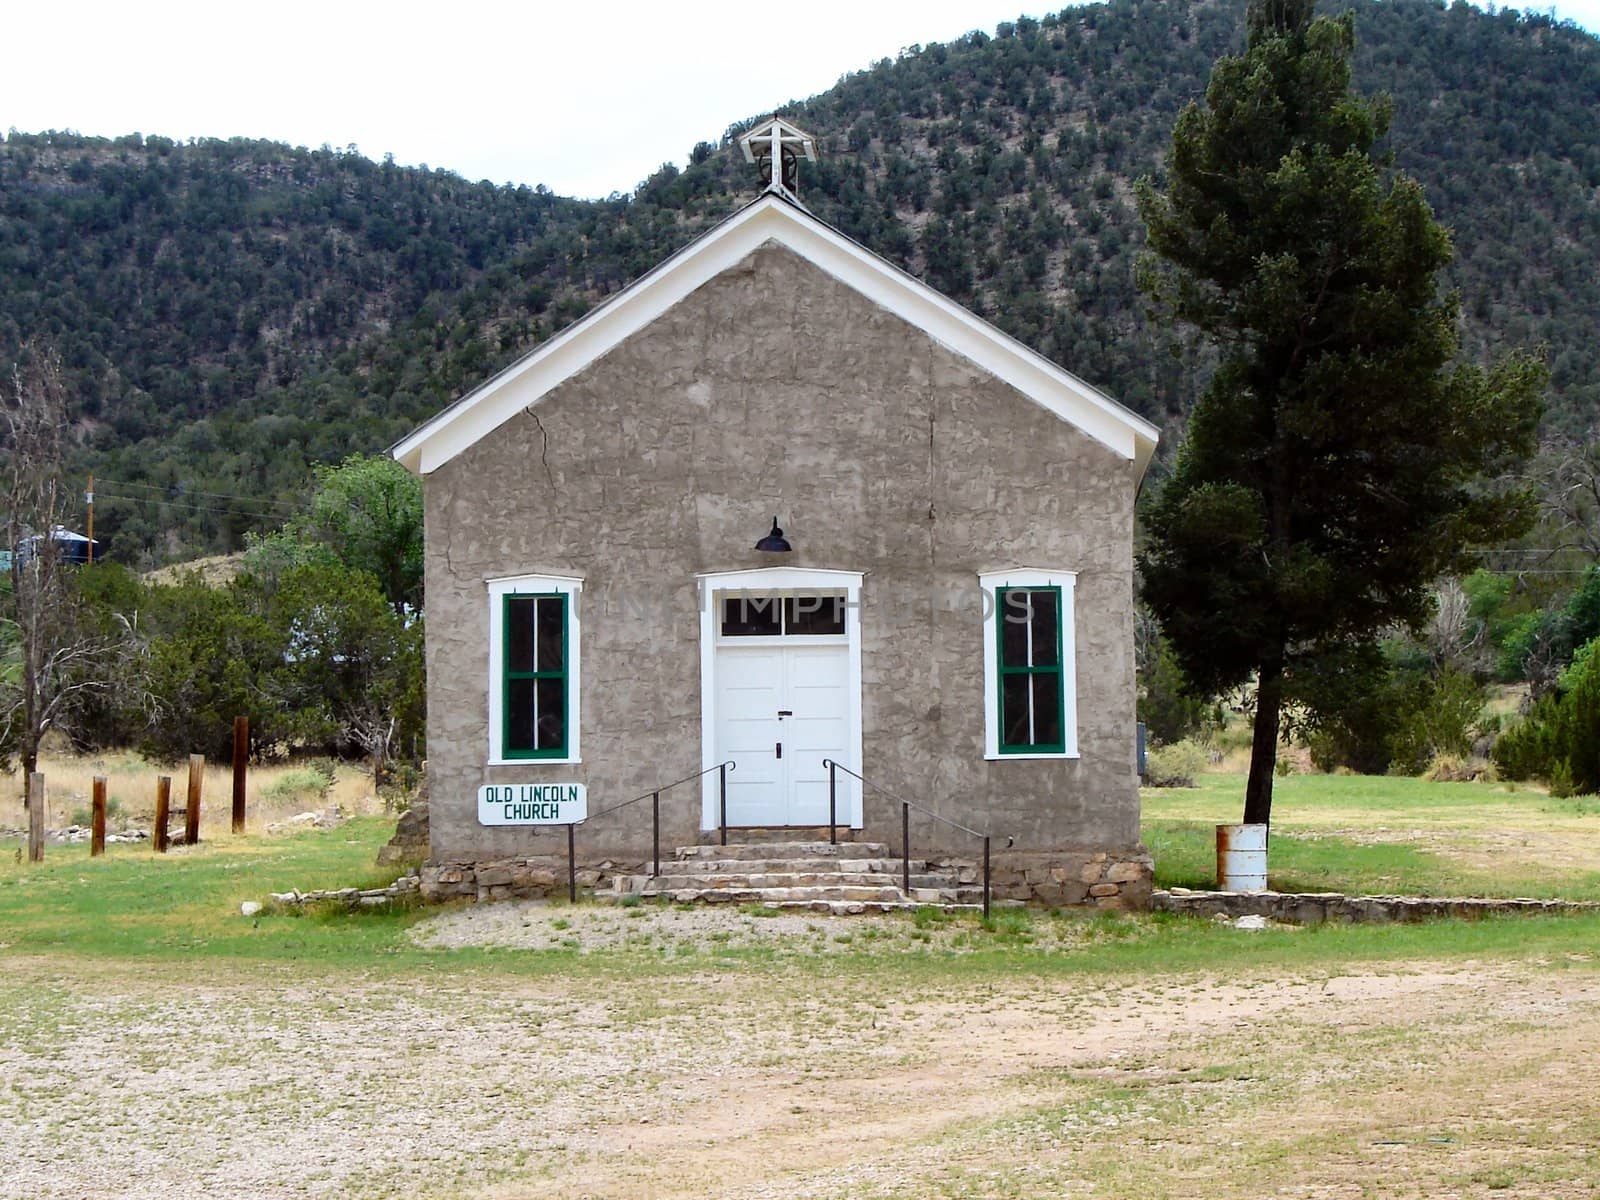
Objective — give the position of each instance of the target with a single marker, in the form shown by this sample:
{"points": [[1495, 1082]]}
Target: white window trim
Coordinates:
{"points": [[517, 585], [1025, 577], [776, 579]]}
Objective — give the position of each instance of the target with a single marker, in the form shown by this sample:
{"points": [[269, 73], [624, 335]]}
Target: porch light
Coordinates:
{"points": [[774, 542]]}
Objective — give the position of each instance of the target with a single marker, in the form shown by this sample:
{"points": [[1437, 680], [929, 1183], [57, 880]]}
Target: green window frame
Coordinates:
{"points": [[536, 697], [1032, 692]]}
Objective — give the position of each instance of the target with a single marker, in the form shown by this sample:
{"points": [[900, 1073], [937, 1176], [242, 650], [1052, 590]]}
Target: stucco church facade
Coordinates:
{"points": [[780, 516]]}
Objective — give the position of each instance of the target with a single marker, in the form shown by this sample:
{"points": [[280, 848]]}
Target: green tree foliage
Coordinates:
{"points": [[213, 655], [352, 675], [1337, 461], [1170, 713], [231, 312], [367, 514], [1560, 738]]}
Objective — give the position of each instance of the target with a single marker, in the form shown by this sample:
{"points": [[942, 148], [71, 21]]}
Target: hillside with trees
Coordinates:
{"points": [[230, 314]]}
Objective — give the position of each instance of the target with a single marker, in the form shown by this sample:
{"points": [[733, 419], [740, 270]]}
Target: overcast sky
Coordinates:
{"points": [[586, 98]]}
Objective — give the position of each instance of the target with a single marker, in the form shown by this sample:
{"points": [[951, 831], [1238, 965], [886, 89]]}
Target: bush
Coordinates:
{"points": [[1176, 765], [1560, 738], [1170, 714], [1441, 719], [307, 784]]}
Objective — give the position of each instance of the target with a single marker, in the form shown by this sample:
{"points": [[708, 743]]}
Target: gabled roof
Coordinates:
{"points": [[773, 218]]}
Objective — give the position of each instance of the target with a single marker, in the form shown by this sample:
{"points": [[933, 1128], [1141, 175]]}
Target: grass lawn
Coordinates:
{"points": [[154, 1042], [1378, 835]]}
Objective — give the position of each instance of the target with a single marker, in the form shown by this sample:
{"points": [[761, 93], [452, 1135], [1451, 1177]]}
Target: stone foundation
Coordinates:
{"points": [[1054, 879]]}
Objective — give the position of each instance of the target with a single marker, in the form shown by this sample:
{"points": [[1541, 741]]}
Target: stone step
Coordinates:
{"points": [[676, 880], [768, 866], [772, 850], [738, 895], [841, 908]]}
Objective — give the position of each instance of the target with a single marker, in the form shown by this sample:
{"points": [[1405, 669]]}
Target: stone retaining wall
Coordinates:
{"points": [[1054, 879], [1312, 908]]}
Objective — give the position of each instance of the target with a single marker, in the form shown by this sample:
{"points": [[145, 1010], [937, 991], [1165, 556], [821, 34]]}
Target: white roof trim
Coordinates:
{"points": [[771, 218]]}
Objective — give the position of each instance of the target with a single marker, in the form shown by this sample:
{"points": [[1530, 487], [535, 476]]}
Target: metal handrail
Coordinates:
{"points": [[905, 825], [654, 796]]}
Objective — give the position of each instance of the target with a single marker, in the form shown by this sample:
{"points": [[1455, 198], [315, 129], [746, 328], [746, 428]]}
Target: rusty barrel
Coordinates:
{"points": [[1242, 858]]}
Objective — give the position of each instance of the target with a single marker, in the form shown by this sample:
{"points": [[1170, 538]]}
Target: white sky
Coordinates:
{"points": [[586, 98]]}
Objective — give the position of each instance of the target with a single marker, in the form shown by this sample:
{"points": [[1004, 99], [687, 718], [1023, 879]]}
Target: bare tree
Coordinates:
{"points": [[1568, 478], [1451, 635], [55, 654]]}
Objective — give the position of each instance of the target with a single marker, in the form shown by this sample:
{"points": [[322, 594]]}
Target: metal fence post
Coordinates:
{"points": [[655, 826], [572, 865], [722, 801], [986, 877], [833, 802]]}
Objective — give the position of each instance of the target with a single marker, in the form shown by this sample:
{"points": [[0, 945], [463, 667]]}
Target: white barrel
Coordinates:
{"points": [[1242, 858]]}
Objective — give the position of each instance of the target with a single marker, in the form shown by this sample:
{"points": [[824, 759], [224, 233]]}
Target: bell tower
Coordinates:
{"points": [[777, 141]]}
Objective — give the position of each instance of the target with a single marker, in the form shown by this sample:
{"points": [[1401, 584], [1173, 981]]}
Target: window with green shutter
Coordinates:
{"points": [[1031, 693], [535, 695]]}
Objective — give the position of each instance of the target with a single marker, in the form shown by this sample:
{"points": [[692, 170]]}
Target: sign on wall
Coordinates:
{"points": [[532, 803]]}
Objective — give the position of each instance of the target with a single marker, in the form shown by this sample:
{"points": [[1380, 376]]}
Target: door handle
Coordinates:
{"points": [[786, 712], [780, 750]]}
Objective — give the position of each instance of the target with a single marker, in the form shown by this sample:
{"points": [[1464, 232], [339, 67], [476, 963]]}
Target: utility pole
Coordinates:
{"points": [[89, 499]]}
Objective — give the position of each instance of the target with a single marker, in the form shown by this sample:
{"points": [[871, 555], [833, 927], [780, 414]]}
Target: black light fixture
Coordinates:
{"points": [[774, 542]]}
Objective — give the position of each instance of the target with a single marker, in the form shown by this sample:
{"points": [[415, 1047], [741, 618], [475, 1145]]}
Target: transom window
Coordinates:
{"points": [[803, 614]]}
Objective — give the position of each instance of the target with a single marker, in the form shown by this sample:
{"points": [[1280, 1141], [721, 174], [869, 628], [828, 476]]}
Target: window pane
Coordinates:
{"points": [[551, 726], [550, 632], [1013, 618], [519, 715], [1046, 708], [1014, 710], [814, 615], [750, 616], [1046, 629], [519, 635]]}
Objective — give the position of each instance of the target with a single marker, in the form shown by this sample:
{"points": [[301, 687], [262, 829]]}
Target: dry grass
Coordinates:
{"points": [[271, 792]]}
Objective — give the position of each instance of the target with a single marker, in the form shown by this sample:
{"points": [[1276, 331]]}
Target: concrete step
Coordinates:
{"points": [[679, 879], [778, 895], [769, 866], [772, 850]]}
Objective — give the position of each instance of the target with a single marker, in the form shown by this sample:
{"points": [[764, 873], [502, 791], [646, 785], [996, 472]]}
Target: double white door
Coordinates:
{"points": [[780, 712]]}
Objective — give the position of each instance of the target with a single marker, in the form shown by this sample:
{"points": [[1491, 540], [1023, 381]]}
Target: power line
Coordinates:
{"points": [[212, 508], [187, 491]]}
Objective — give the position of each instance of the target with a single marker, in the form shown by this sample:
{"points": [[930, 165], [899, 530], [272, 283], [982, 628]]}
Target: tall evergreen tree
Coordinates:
{"points": [[1340, 459]]}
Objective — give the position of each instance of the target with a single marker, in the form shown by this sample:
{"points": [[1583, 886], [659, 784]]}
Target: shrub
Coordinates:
{"points": [[1440, 719], [301, 784], [1560, 738], [1175, 765]]}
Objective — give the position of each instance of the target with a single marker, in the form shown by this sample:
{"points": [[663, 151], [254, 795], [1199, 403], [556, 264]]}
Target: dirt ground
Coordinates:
{"points": [[1457, 1079]]}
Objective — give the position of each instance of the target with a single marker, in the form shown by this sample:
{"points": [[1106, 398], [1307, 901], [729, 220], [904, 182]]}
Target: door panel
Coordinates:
{"points": [[749, 695], [810, 686], [817, 679]]}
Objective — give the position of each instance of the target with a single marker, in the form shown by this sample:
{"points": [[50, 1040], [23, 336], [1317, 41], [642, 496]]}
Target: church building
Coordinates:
{"points": [[782, 527]]}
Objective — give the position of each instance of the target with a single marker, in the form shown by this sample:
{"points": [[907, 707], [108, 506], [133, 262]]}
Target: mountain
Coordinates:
{"points": [[232, 311]]}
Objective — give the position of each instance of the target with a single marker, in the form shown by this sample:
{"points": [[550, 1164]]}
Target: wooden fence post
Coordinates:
{"points": [[191, 812], [241, 760], [35, 817], [158, 835], [97, 820]]}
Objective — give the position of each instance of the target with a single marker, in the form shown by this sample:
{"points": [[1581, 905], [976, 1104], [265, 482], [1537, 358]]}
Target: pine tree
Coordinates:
{"points": [[1341, 458]]}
